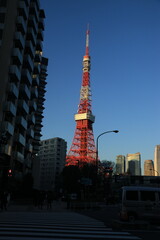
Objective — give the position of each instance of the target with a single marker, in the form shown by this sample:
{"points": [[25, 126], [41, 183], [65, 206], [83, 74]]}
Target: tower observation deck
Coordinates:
{"points": [[83, 148]]}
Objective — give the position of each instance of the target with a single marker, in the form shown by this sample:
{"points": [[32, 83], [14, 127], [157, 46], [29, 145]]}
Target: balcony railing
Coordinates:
{"points": [[33, 105], [30, 133], [30, 49], [23, 11], [34, 92], [21, 24], [18, 156], [31, 36], [22, 122], [24, 90], [19, 40], [31, 119], [13, 90], [20, 139], [15, 74], [23, 105], [26, 76], [32, 23], [10, 108], [28, 63], [29, 147], [8, 127], [17, 56]]}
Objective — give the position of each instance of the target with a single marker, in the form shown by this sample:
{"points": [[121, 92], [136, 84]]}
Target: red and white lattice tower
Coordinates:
{"points": [[83, 148]]}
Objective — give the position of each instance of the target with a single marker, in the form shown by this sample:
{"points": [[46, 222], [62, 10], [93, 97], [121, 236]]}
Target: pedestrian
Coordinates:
{"points": [[4, 201], [49, 200]]}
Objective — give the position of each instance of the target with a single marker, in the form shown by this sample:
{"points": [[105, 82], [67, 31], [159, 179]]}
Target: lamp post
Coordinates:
{"points": [[115, 131]]}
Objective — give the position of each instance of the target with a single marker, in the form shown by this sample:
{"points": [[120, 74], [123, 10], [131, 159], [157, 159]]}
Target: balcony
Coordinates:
{"points": [[40, 35], [15, 74], [39, 45], [8, 127], [10, 108], [28, 63], [31, 36], [35, 80], [20, 139], [30, 49], [29, 147], [19, 156], [21, 25], [32, 23], [23, 106], [37, 138], [37, 68], [17, 56], [24, 91], [21, 122], [34, 92], [26, 77], [19, 40], [31, 119], [23, 11], [41, 24], [36, 148], [13, 90], [33, 105], [37, 128], [30, 133], [38, 57], [33, 9], [6, 149]]}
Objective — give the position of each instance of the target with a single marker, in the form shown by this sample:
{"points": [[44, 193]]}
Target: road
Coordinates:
{"points": [[108, 214], [29, 223]]}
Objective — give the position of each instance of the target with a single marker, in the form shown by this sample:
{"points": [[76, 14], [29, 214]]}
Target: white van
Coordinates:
{"points": [[140, 203]]}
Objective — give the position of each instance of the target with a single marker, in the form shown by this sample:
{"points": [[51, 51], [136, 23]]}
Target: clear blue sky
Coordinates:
{"points": [[125, 72]]}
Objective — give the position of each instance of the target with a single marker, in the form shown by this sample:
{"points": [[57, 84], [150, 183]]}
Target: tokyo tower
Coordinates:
{"points": [[83, 150]]}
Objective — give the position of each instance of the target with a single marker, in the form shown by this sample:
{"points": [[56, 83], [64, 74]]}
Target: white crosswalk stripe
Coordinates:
{"points": [[60, 226]]}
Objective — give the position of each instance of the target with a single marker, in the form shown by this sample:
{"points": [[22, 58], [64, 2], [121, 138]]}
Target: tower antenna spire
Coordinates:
{"points": [[87, 40]]}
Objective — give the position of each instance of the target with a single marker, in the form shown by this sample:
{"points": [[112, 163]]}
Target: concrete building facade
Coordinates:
{"points": [[120, 164], [23, 71], [49, 164], [133, 164], [149, 168], [157, 160]]}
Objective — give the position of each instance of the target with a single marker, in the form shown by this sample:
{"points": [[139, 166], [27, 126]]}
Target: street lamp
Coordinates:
{"points": [[115, 131]]}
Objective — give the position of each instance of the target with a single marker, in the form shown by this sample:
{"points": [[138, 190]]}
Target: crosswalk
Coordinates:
{"points": [[58, 226]]}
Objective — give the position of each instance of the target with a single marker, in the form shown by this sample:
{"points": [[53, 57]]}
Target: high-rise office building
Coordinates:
{"points": [[157, 160], [49, 164], [23, 71], [148, 168], [120, 164], [133, 164]]}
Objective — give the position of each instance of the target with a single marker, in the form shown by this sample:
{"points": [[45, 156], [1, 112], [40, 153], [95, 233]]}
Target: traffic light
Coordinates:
{"points": [[9, 172]]}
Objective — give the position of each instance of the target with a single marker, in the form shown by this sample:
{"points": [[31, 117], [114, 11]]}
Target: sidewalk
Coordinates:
{"points": [[57, 206]]}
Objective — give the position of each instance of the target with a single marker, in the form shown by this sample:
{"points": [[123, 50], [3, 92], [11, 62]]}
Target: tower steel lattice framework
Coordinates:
{"points": [[83, 148]]}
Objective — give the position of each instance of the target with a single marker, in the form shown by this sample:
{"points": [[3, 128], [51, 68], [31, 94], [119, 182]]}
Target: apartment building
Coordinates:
{"points": [[23, 72], [49, 164]]}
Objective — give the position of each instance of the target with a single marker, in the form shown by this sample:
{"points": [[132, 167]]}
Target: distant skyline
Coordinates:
{"points": [[125, 72]]}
